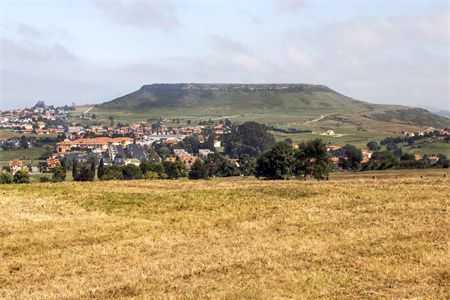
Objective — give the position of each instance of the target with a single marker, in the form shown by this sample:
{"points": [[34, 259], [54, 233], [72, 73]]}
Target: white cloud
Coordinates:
{"points": [[300, 58], [390, 60], [289, 5], [13, 52], [142, 14]]}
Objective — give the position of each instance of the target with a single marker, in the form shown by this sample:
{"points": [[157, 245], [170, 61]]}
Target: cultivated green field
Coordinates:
{"points": [[350, 237], [27, 155]]}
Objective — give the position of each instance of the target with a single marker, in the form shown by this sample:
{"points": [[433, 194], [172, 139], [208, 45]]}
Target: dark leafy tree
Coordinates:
{"points": [[250, 139], [191, 144], [113, 172], [443, 161], [276, 163], [209, 138], [175, 170], [74, 169], [93, 167], [59, 175], [353, 157], [407, 156], [148, 166], [247, 166], [162, 150], [289, 141], [64, 164], [213, 163], [131, 171], [24, 142], [44, 179], [156, 126], [199, 170], [101, 169], [85, 174], [382, 160], [373, 146], [6, 178], [228, 168], [22, 176], [312, 160]]}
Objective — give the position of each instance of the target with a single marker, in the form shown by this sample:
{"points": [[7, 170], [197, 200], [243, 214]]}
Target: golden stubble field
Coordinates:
{"points": [[227, 238]]}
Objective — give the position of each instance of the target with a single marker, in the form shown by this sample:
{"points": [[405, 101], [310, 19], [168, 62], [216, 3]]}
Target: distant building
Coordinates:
{"points": [[204, 153], [53, 163], [100, 143], [16, 165]]}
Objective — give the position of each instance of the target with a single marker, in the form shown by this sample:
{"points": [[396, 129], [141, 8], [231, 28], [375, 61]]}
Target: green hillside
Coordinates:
{"points": [[294, 105]]}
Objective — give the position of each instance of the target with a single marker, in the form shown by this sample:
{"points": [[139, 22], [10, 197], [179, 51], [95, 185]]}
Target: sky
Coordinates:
{"points": [[92, 51]]}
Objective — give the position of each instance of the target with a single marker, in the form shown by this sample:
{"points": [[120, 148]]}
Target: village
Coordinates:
{"points": [[124, 144]]}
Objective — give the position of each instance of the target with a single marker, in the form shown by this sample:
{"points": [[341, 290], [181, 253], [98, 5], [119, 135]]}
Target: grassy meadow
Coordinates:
{"points": [[349, 237]]}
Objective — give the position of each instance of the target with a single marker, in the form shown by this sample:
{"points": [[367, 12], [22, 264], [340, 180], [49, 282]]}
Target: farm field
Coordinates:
{"points": [[350, 237], [27, 155]]}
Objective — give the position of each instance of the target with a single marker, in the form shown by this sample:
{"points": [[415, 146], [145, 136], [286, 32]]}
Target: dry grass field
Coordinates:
{"points": [[348, 237]]}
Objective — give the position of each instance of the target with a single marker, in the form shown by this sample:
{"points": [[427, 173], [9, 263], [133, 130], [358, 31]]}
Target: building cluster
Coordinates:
{"points": [[127, 144], [35, 120], [336, 154], [428, 132]]}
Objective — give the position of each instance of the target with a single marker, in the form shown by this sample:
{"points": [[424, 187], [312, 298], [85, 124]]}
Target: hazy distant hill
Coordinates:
{"points": [[273, 102]]}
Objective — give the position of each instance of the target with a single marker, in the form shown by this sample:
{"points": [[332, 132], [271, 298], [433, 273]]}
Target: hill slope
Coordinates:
{"points": [[274, 103]]}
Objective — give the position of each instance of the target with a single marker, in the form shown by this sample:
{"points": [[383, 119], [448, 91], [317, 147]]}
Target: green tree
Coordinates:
{"points": [[74, 169], [312, 160], [44, 179], [353, 157], [407, 156], [276, 163], [213, 163], [247, 166], [24, 142], [22, 176], [6, 178], [155, 168], [228, 168], [191, 144], [443, 161], [85, 173], [199, 170], [373, 146], [113, 172], [250, 139], [131, 172], [64, 164], [93, 167], [382, 160], [59, 175], [101, 168], [111, 119], [175, 170]]}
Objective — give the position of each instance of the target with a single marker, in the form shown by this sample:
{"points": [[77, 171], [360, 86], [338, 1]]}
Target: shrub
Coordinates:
{"points": [[21, 176], [277, 163], [199, 170], [112, 173], [6, 178], [85, 174], [151, 175], [131, 171], [59, 175], [175, 170], [154, 167], [44, 179]]}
